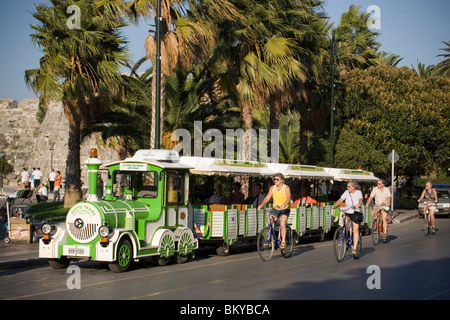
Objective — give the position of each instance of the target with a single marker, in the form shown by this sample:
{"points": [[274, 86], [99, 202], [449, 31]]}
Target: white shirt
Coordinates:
{"points": [[43, 191], [381, 197], [25, 176], [351, 200], [52, 176], [37, 174]]}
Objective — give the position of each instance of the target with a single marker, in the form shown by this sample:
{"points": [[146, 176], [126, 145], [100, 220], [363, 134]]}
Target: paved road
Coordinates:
{"points": [[410, 266]]}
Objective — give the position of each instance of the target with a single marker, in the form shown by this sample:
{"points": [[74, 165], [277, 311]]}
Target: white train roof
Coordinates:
{"points": [[166, 159], [300, 171], [349, 175], [225, 167]]}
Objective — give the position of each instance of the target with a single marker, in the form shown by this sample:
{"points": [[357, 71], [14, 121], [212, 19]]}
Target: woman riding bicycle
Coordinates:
{"points": [[430, 202], [353, 200], [281, 198]]}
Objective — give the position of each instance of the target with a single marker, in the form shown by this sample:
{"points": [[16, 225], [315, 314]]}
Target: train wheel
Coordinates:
{"points": [[179, 258], [124, 257], [223, 250]]}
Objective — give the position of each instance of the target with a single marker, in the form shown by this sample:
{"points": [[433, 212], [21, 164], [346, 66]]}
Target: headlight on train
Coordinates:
{"points": [[46, 228], [104, 231]]}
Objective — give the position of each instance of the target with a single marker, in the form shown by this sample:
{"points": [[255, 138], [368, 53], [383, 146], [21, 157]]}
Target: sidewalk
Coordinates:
{"points": [[20, 255]]}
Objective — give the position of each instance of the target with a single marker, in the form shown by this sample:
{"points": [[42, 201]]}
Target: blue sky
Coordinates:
{"points": [[413, 29]]}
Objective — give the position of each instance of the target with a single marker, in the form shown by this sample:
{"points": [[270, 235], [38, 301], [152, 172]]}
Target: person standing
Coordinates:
{"points": [[57, 186], [24, 176], [51, 180], [37, 174]]}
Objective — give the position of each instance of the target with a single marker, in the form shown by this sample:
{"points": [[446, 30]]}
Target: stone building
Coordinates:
{"points": [[26, 143]]}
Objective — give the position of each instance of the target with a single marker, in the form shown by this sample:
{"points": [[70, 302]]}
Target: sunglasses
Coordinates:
{"points": [[276, 179]]}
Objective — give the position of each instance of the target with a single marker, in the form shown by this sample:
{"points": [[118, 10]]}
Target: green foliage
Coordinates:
{"points": [[353, 150], [394, 108]]}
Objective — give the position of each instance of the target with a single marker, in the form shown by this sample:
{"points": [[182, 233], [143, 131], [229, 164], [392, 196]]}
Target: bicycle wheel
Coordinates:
{"points": [[376, 232], [339, 244], [265, 244], [287, 252]]}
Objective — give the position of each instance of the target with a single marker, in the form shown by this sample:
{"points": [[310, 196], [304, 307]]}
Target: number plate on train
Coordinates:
{"points": [[77, 251]]}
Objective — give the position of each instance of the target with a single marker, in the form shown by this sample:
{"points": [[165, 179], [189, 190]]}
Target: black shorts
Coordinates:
{"points": [[352, 217], [279, 213]]}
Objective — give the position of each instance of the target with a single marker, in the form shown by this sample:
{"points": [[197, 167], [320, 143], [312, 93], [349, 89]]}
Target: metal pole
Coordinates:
{"points": [[392, 182], [158, 76], [332, 71]]}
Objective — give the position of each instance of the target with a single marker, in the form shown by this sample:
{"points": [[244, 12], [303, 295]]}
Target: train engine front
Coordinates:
{"points": [[129, 223]]}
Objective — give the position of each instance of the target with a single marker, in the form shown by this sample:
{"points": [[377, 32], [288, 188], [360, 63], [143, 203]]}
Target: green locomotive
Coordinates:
{"points": [[144, 214]]}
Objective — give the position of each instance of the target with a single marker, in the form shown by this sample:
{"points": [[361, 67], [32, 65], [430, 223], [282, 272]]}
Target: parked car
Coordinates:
{"points": [[443, 205]]}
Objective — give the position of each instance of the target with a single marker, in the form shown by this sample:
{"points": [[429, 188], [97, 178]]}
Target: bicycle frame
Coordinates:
{"points": [[343, 240]]}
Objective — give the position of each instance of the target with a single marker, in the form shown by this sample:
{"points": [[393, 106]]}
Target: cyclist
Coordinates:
{"points": [[353, 200], [382, 197], [281, 194], [431, 200]]}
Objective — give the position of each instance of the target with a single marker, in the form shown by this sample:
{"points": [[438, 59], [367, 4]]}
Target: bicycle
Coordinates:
{"points": [[377, 225], [427, 223], [343, 241], [268, 242]]}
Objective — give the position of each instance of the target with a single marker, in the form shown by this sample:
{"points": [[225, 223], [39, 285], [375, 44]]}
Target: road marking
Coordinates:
{"points": [[168, 271]]}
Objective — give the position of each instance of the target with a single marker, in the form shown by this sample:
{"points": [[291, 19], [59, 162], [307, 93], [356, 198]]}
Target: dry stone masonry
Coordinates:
{"points": [[26, 143]]}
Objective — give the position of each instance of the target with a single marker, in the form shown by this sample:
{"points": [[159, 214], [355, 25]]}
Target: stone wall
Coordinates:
{"points": [[26, 143]]}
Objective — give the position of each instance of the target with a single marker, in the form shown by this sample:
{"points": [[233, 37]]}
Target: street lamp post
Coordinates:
{"points": [[333, 71], [52, 149], [158, 76]]}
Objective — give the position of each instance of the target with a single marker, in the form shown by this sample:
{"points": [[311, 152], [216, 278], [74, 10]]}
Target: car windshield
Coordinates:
{"points": [[443, 194]]}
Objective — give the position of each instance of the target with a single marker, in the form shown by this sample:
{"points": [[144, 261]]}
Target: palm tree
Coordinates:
{"points": [[186, 37], [388, 59], [351, 31], [443, 67], [80, 67]]}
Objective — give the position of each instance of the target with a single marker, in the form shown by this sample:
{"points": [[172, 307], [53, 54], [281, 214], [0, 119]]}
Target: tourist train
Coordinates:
{"points": [[153, 208]]}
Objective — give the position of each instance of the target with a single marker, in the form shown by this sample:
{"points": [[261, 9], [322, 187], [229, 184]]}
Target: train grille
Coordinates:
{"points": [[86, 233]]}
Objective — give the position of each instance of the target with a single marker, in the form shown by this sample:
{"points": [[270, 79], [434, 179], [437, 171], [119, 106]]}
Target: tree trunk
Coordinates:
{"points": [[72, 192]]}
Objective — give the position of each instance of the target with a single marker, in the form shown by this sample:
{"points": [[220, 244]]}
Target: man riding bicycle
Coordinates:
{"points": [[382, 197]]}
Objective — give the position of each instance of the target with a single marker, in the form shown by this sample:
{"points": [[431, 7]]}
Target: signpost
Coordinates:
{"points": [[392, 157]]}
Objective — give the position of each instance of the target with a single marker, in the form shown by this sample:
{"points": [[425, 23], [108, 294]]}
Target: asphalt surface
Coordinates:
{"points": [[21, 254]]}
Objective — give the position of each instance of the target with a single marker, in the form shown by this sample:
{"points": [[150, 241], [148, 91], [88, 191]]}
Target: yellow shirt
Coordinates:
{"points": [[279, 198]]}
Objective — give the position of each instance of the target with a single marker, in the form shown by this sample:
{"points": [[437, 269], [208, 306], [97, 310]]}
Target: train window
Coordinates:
{"points": [[175, 188], [149, 185]]}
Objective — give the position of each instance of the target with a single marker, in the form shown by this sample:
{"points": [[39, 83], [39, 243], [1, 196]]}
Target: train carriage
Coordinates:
{"points": [[223, 225], [145, 213]]}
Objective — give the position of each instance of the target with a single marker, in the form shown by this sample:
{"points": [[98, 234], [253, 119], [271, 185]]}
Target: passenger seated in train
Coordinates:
{"points": [[236, 197], [256, 197], [305, 199], [218, 197]]}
